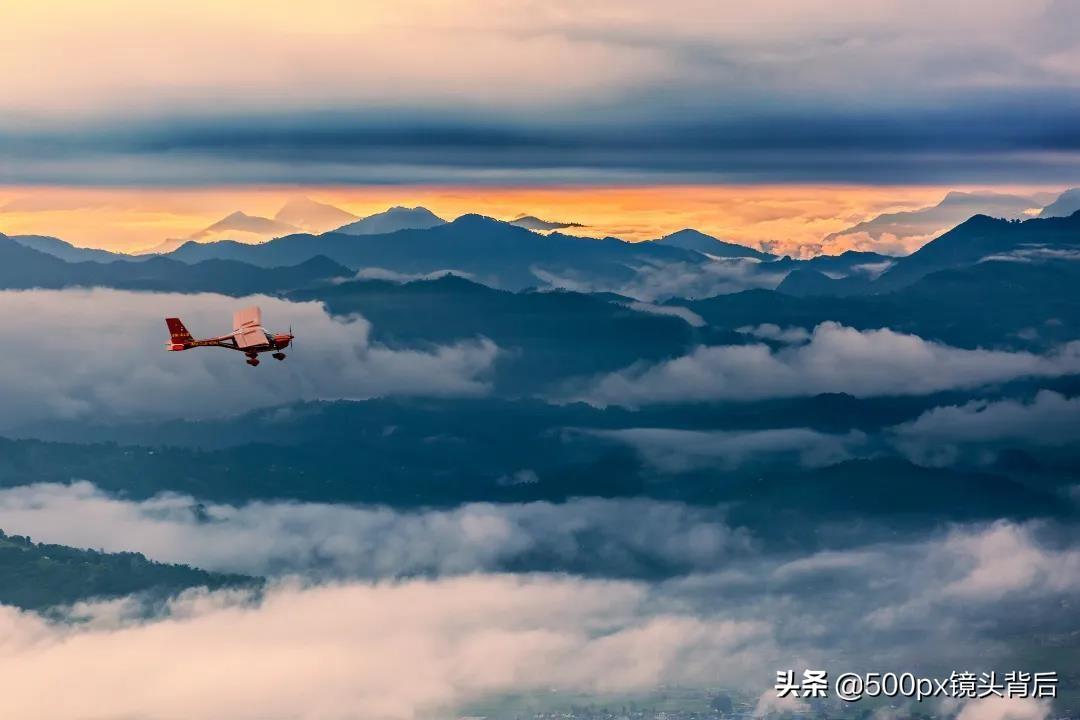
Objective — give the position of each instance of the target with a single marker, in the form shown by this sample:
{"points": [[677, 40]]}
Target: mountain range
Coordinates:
{"points": [[900, 230], [977, 239], [531, 222], [491, 251], [298, 214], [986, 285], [502, 255], [392, 220], [302, 215], [689, 239], [23, 267]]}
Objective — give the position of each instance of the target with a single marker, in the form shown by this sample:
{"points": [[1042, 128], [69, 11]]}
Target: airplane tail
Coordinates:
{"points": [[181, 338]]}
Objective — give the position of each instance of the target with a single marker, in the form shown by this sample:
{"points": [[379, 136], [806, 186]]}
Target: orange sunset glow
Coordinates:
{"points": [[792, 219]]}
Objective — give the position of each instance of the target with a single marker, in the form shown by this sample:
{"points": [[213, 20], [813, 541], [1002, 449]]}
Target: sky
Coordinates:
{"points": [[787, 218], [627, 115]]}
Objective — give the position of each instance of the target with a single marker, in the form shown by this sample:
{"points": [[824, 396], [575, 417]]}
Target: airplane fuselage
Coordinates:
{"points": [[274, 341], [249, 337]]}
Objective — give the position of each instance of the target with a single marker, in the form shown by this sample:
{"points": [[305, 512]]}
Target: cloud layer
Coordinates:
{"points": [[663, 280], [673, 451], [407, 649], [836, 359], [945, 434], [345, 652], [589, 535], [785, 89], [100, 354]]}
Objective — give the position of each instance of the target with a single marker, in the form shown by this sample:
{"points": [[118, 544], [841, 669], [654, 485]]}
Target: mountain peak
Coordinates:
{"points": [[311, 215], [262, 228], [393, 219], [976, 238], [531, 222], [691, 239], [1067, 203], [476, 219]]}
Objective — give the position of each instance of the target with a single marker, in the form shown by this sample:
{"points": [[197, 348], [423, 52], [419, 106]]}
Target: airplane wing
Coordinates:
{"points": [[247, 327]]}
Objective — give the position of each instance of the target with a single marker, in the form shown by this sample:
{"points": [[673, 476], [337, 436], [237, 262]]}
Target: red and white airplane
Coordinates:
{"points": [[249, 337]]}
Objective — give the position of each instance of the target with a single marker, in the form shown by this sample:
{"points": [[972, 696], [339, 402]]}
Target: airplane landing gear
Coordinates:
{"points": [[252, 361], [278, 356]]}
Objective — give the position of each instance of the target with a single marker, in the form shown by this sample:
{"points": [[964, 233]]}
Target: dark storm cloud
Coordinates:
{"points": [[490, 91], [1029, 134]]}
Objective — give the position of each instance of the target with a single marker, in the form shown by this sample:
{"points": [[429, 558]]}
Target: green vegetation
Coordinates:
{"points": [[35, 576]]}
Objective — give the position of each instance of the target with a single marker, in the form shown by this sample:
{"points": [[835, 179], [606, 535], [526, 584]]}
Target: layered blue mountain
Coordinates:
{"points": [[954, 208], [493, 252], [23, 267], [65, 250], [689, 239], [998, 303], [445, 452], [978, 239], [531, 222], [392, 220], [545, 336], [982, 237]]}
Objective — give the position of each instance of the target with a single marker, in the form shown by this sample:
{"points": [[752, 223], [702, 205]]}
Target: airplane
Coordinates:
{"points": [[249, 337]]}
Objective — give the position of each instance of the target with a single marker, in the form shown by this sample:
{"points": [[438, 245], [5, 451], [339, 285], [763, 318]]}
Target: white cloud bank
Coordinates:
{"points": [[654, 281], [673, 451], [365, 541], [422, 648], [100, 354], [692, 318], [836, 359], [944, 435], [365, 652]]}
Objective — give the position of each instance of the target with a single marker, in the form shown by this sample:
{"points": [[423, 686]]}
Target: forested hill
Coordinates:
{"points": [[35, 576]]}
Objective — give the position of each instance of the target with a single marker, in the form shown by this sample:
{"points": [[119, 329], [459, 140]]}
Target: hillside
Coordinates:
{"points": [[493, 252], [35, 576], [22, 267]]}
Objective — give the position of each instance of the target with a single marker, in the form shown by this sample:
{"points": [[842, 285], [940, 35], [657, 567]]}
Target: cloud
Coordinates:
{"points": [[260, 538], [769, 705], [770, 331], [691, 317], [1035, 253], [656, 281], [413, 648], [901, 233], [997, 708], [837, 359], [675, 451], [869, 91], [944, 435], [350, 651], [375, 273], [979, 569], [1005, 558], [99, 355], [827, 561]]}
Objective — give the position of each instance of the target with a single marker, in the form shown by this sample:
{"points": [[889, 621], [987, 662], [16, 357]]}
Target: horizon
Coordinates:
{"points": [[762, 126], [794, 220], [523, 450]]}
